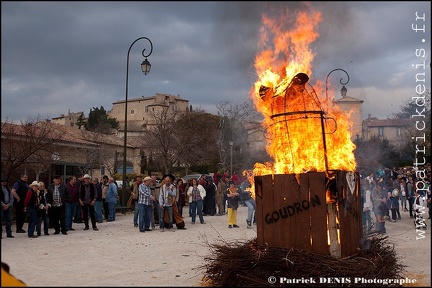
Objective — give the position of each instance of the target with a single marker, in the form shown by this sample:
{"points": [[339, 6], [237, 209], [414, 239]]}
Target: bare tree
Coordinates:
{"points": [[182, 139], [239, 112], [198, 132], [40, 162], [232, 133], [161, 138], [33, 138]]}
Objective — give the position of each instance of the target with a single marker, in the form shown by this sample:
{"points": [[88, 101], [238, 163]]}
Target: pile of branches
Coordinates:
{"points": [[247, 264]]}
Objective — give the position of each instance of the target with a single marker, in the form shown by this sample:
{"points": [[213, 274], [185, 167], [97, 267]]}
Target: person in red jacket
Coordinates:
{"points": [[31, 206]]}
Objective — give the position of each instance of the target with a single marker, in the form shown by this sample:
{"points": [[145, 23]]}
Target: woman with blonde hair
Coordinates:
{"points": [[43, 198]]}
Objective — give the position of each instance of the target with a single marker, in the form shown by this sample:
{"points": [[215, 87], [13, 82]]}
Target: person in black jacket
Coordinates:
{"points": [[59, 194], [19, 191], [210, 199], [87, 200]]}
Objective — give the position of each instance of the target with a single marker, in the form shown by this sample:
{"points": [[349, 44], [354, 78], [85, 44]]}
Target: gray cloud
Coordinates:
{"points": [[58, 56]]}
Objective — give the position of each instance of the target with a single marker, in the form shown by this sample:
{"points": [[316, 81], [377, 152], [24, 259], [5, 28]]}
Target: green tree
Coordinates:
{"points": [[81, 121], [98, 120]]}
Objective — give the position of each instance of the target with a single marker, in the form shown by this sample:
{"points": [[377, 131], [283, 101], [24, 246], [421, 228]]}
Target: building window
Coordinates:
{"points": [[132, 111], [146, 109], [143, 118], [381, 131], [399, 132]]}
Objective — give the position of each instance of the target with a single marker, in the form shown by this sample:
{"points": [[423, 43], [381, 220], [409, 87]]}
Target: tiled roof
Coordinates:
{"points": [[68, 134], [348, 99], [404, 122]]}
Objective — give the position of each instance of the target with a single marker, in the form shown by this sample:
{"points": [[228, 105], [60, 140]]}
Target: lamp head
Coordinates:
{"points": [[145, 66], [344, 91]]}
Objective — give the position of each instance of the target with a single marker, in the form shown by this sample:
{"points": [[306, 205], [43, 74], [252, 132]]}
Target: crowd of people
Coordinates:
{"points": [[155, 202], [388, 192], [161, 202]]}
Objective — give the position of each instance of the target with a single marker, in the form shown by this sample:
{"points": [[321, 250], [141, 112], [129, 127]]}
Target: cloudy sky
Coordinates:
{"points": [[61, 56]]}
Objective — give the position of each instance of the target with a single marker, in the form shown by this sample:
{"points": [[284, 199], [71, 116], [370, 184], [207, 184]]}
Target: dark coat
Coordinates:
{"points": [[93, 192], [64, 193]]}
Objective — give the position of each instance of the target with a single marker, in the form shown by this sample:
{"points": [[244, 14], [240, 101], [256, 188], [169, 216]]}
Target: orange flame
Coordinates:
{"points": [[297, 142]]}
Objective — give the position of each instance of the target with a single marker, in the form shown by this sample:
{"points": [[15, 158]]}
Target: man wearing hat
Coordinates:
{"points": [[6, 214], [59, 194], [167, 197], [87, 199], [144, 203]]}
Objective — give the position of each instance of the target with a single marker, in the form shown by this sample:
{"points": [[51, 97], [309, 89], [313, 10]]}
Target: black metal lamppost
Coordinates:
{"points": [[145, 67]]}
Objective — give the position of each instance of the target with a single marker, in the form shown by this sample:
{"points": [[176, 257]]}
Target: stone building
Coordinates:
{"points": [[141, 111], [68, 120], [398, 131], [353, 107]]}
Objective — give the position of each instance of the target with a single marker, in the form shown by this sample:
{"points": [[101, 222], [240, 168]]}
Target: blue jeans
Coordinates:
{"points": [[111, 211], [197, 207], [71, 209], [33, 220], [161, 216], [98, 210], [45, 221], [6, 215], [251, 209], [137, 212], [145, 215], [180, 209], [403, 202]]}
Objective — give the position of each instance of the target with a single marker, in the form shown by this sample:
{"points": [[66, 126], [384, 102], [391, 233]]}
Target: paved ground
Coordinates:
{"points": [[119, 255]]}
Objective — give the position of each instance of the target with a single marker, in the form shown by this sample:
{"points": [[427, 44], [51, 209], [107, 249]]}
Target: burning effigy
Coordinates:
{"points": [[308, 199], [309, 196]]}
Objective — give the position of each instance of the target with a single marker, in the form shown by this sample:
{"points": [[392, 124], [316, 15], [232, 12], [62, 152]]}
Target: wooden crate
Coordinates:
{"points": [[292, 212]]}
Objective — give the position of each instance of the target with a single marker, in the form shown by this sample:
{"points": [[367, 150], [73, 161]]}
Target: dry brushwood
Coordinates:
{"points": [[249, 265]]}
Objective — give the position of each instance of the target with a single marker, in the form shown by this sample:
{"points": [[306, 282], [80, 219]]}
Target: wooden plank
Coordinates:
{"points": [[349, 215], [286, 189], [301, 218], [335, 248], [318, 212], [265, 230], [281, 224], [259, 209]]}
